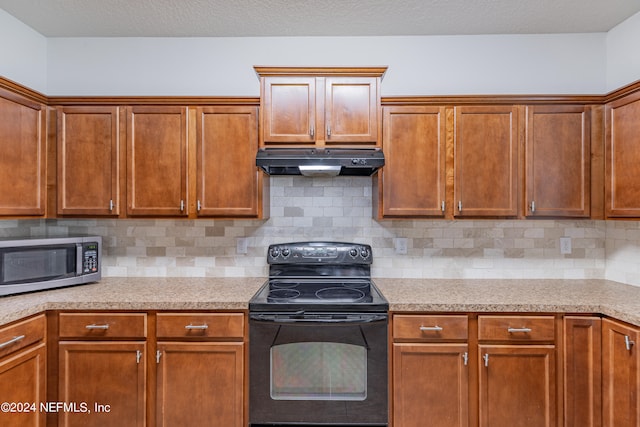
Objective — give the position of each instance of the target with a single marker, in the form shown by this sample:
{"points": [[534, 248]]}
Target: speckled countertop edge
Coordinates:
{"points": [[404, 295]]}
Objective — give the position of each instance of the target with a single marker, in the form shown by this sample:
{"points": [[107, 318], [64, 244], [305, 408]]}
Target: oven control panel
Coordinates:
{"points": [[319, 253]]}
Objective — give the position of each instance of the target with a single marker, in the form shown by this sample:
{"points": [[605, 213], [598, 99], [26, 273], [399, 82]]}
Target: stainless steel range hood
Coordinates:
{"points": [[320, 162]]}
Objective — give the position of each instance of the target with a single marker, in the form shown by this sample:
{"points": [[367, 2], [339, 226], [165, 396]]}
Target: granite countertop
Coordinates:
{"points": [[404, 295]]}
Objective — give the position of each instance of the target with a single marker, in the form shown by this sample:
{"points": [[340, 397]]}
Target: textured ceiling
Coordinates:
{"points": [[220, 18]]}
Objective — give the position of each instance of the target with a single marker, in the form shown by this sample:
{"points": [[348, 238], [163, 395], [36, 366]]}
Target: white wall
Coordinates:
{"points": [[623, 53], [23, 53], [494, 64]]}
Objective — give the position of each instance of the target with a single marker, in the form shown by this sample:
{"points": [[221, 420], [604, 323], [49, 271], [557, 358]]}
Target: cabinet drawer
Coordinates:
{"points": [[516, 328], [430, 328], [200, 325], [103, 325], [22, 334]]}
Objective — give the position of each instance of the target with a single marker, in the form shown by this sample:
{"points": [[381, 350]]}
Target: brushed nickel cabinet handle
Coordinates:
{"points": [[94, 326], [435, 328], [11, 341], [628, 343], [533, 206], [196, 327], [515, 330]]}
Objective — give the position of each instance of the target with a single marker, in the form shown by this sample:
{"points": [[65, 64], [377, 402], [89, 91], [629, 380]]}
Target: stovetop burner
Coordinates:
{"points": [[319, 276]]}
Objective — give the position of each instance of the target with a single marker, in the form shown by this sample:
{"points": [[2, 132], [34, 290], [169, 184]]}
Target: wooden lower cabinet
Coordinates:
{"points": [[430, 385], [620, 375], [582, 372], [200, 384], [23, 385], [517, 385], [103, 382]]}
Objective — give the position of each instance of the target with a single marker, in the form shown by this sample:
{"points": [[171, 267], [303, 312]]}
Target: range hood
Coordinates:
{"points": [[320, 162]]}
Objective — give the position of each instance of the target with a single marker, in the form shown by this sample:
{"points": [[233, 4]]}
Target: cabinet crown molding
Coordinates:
{"points": [[269, 71]]}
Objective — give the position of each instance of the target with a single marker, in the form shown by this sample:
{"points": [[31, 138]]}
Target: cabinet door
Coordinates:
{"points": [[413, 179], [22, 382], [109, 377], [486, 161], [228, 181], [620, 375], [157, 161], [351, 110], [582, 372], [288, 108], [558, 159], [517, 386], [622, 165], [430, 385], [200, 384], [22, 157], [88, 161]]}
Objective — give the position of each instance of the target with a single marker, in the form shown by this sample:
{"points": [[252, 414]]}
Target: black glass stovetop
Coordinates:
{"points": [[319, 276], [335, 294]]}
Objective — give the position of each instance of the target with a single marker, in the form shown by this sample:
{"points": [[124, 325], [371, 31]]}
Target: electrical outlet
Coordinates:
{"points": [[565, 245], [241, 245], [401, 245]]}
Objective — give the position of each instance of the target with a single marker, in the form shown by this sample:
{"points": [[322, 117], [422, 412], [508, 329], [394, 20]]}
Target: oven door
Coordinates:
{"points": [[318, 369]]}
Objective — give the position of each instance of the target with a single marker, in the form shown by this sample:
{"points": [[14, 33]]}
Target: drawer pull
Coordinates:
{"points": [[627, 343], [431, 328], [94, 326], [197, 327], [514, 330], [11, 341]]}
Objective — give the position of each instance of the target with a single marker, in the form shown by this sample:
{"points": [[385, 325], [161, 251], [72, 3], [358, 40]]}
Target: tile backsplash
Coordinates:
{"points": [[340, 209]]}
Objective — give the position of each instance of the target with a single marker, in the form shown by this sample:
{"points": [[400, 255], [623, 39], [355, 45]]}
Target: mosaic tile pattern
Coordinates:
{"points": [[340, 209]]}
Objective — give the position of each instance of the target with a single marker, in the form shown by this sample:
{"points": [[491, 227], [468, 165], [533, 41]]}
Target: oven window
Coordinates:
{"points": [[318, 371]]}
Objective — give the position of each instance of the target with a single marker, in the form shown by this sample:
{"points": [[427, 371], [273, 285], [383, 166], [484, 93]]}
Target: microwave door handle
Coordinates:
{"points": [[79, 259]]}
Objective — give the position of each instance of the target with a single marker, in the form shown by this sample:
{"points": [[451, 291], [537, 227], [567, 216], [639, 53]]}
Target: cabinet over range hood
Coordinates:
{"points": [[320, 161]]}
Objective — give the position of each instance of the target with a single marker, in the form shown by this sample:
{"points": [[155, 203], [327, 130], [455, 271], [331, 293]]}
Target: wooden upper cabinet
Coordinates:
{"points": [[289, 110], [486, 161], [412, 183], [622, 157], [228, 182], [320, 106], [22, 156], [558, 161], [157, 161], [88, 160], [351, 110]]}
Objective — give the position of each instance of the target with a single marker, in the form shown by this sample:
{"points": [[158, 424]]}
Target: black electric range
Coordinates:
{"points": [[319, 277]]}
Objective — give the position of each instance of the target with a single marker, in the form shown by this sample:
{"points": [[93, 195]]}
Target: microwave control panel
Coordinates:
{"points": [[89, 258]]}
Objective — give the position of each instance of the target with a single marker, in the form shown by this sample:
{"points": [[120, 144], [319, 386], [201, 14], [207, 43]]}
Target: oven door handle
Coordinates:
{"points": [[319, 318]]}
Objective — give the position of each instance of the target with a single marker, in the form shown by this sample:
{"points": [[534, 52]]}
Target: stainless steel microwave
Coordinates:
{"points": [[34, 264]]}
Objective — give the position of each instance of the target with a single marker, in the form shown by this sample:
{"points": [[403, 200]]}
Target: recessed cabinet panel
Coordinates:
{"points": [[111, 374], [23, 388], [227, 179], [351, 110], [620, 375], [88, 161], [486, 161], [517, 386], [157, 161], [430, 385], [622, 167], [22, 157], [200, 384], [582, 372], [558, 161], [413, 178], [289, 110]]}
